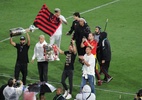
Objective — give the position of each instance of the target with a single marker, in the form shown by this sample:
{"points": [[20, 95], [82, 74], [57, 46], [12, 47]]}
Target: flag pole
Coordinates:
{"points": [[106, 24]]}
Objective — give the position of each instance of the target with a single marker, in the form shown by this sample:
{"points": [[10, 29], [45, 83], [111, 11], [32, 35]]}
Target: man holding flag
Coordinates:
{"points": [[51, 24], [56, 37]]}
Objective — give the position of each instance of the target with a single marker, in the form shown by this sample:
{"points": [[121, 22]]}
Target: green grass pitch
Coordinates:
{"points": [[124, 32]]}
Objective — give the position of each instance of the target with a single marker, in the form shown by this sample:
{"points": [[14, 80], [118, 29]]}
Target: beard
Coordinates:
{"points": [[96, 32], [22, 43]]}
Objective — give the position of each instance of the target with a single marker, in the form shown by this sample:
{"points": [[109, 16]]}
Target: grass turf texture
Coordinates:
{"points": [[124, 32]]}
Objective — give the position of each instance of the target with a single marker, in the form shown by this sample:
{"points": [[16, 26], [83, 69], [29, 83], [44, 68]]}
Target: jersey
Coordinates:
{"points": [[92, 43], [70, 58], [22, 53]]}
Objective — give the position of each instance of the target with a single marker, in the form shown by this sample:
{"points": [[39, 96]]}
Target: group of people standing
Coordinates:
{"points": [[92, 48]]}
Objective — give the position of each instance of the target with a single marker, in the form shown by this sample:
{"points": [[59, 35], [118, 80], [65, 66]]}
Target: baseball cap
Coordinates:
{"points": [[57, 9], [22, 38]]}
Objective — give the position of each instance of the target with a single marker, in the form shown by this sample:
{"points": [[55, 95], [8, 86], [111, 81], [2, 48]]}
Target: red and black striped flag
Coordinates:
{"points": [[46, 21]]}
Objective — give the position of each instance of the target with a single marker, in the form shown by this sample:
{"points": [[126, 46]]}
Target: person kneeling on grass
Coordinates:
{"points": [[86, 94], [68, 69]]}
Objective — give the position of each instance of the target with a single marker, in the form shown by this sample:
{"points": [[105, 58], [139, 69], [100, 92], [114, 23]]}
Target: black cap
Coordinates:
{"points": [[22, 38]]}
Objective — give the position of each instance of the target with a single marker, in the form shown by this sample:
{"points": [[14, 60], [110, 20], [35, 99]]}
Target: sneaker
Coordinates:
{"points": [[69, 96], [99, 82], [58, 59], [109, 79], [65, 94]]}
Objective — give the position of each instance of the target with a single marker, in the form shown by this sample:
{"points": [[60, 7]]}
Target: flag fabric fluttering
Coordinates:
{"points": [[47, 21]]}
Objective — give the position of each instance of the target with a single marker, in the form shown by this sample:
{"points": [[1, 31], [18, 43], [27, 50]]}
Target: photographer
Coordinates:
{"points": [[13, 93], [138, 95]]}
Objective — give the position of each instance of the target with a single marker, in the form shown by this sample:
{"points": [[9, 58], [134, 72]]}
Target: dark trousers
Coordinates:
{"points": [[96, 70], [104, 68], [43, 71], [69, 74], [21, 67], [80, 51]]}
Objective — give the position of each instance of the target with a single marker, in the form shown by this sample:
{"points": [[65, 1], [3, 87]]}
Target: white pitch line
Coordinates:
{"points": [[83, 12], [69, 18], [4, 39], [113, 91], [89, 10]]}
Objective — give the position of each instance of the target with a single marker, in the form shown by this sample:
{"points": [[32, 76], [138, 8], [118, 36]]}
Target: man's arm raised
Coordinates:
{"points": [[11, 41], [28, 39], [74, 47], [60, 51]]}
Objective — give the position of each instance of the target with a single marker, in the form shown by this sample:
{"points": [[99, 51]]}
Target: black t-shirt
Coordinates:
{"points": [[74, 25], [22, 53], [80, 32], [70, 58]]}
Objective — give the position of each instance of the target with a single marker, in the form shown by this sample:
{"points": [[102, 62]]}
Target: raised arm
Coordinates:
{"points": [[83, 61], [89, 44], [82, 43], [60, 51], [28, 39], [74, 47], [11, 42]]}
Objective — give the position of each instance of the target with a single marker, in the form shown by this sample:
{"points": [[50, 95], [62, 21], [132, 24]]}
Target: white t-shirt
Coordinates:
{"points": [[59, 29], [39, 52], [89, 69]]}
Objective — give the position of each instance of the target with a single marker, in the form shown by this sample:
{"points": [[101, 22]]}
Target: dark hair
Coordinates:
{"points": [[91, 33], [139, 94], [10, 82], [76, 14], [98, 27], [89, 47]]}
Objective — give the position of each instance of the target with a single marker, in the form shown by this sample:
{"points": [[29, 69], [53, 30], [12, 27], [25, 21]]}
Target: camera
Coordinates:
{"points": [[17, 83], [84, 37]]}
